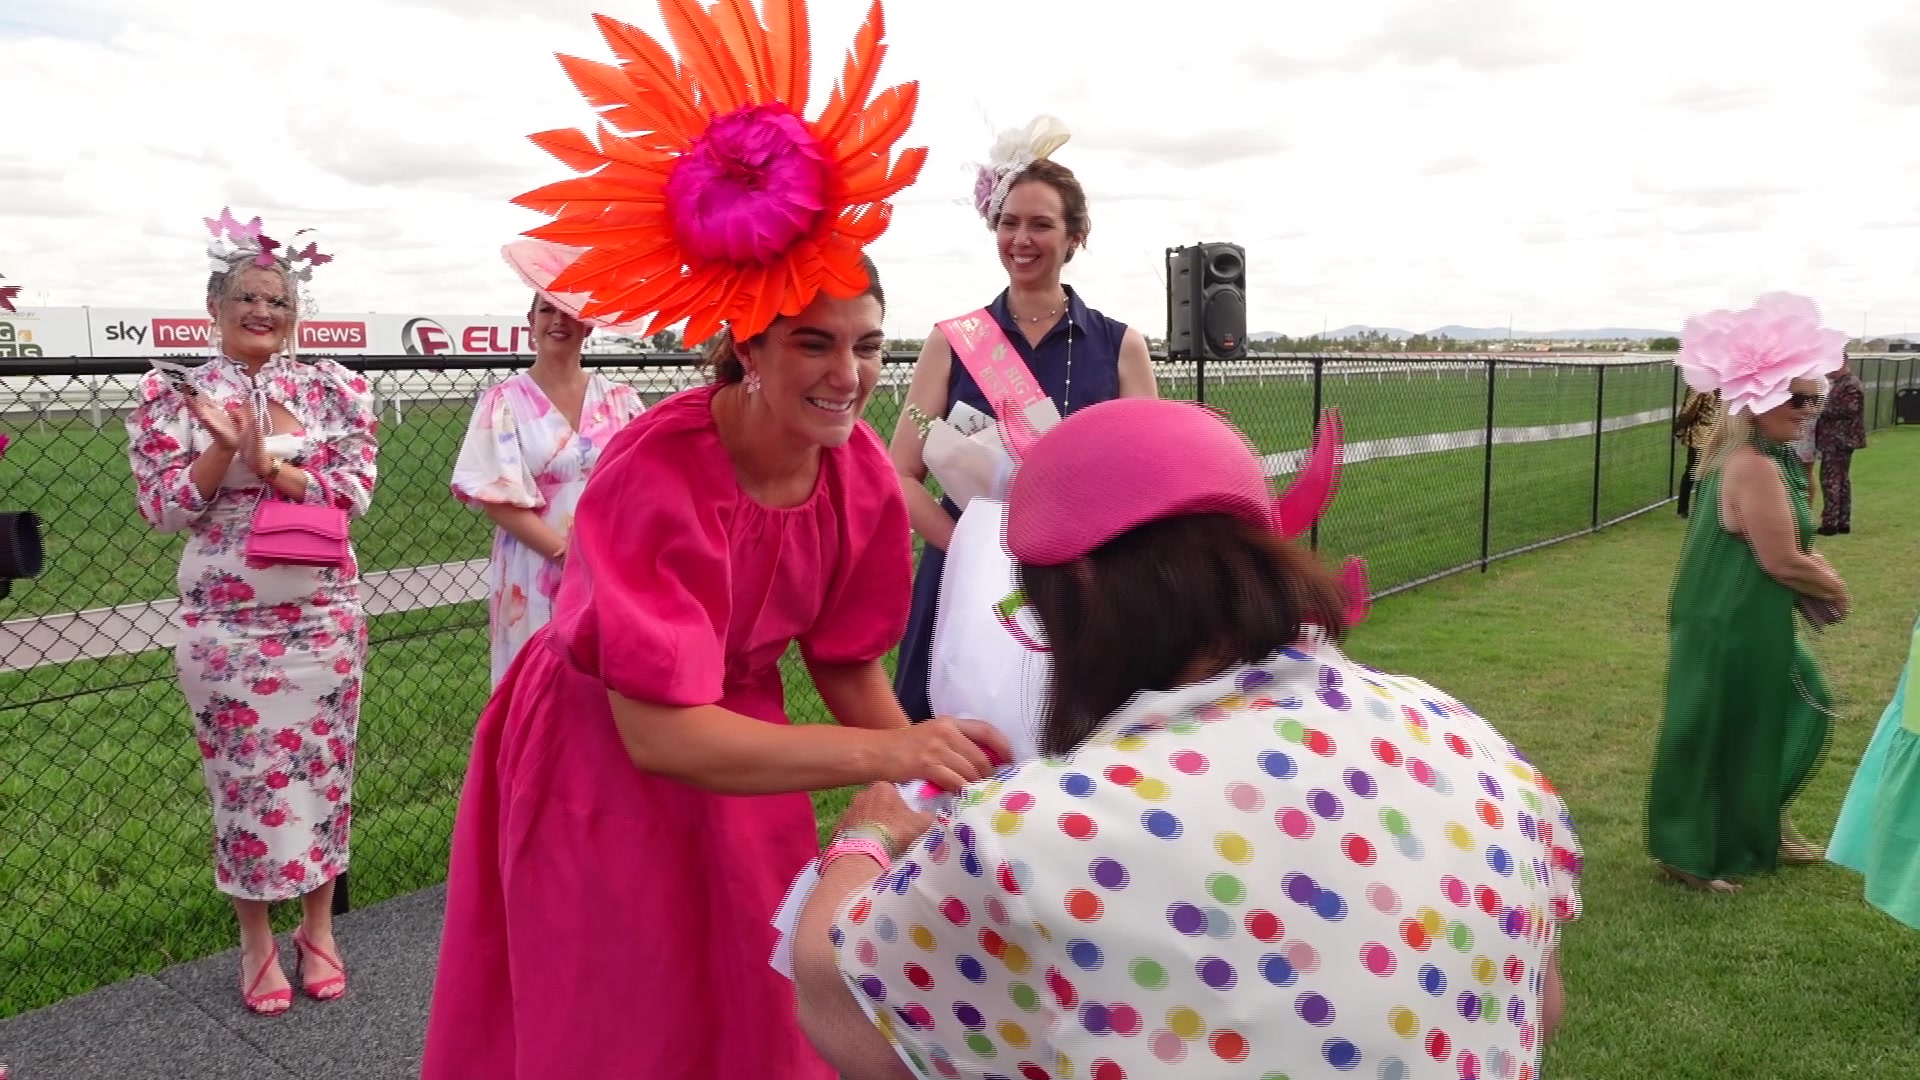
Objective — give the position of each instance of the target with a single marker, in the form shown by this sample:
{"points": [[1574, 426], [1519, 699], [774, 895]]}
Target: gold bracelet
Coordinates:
{"points": [[273, 472], [871, 830]]}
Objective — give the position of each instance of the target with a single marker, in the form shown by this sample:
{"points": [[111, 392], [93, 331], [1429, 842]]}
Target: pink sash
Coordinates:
{"points": [[1022, 408]]}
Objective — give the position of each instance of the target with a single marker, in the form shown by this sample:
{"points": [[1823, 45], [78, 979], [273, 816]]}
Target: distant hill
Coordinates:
{"points": [[1497, 333]]}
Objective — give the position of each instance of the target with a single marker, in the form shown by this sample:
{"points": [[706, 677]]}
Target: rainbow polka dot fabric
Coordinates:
{"points": [[1300, 870]]}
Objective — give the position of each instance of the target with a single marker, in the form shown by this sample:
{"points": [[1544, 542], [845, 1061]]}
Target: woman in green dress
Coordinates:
{"points": [[1747, 712]]}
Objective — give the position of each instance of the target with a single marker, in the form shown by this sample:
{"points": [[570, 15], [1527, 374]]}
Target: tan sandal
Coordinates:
{"points": [[1801, 853], [1797, 850]]}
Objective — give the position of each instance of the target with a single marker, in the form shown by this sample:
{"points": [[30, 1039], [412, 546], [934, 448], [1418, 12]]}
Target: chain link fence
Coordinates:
{"points": [[105, 864]]}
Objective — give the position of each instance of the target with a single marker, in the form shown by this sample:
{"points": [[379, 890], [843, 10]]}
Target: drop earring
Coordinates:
{"points": [[752, 382]]}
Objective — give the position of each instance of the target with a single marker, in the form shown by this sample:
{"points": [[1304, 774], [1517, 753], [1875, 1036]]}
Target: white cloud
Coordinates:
{"points": [[1481, 35], [1892, 47], [1405, 163]]}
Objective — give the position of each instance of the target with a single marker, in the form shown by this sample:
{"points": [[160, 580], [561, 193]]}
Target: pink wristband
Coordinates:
{"points": [[855, 845]]}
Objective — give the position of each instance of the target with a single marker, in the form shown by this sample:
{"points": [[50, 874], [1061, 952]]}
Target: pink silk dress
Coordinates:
{"points": [[604, 922]]}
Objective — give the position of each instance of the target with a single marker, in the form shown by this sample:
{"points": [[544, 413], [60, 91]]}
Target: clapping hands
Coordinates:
{"points": [[234, 429]]}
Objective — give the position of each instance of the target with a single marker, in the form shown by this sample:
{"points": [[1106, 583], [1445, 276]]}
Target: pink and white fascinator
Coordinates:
{"points": [[1013, 151]]}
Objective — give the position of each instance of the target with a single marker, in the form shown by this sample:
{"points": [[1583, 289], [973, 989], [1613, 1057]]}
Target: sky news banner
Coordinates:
{"points": [[139, 332]]}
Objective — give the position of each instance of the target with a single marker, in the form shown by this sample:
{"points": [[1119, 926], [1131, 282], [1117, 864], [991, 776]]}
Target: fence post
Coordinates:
{"points": [[1673, 414], [1313, 423], [1486, 470], [1200, 376], [1873, 390], [1599, 420]]}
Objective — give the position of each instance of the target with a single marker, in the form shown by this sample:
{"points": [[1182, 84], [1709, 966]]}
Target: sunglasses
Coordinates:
{"points": [[1798, 400]]}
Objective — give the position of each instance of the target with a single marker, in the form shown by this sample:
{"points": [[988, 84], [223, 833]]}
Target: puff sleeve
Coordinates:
{"points": [[160, 450], [342, 467], [491, 467], [646, 600], [871, 587]]}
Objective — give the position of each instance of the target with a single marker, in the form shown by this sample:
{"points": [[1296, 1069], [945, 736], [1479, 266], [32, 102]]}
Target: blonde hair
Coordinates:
{"points": [[1732, 432]]}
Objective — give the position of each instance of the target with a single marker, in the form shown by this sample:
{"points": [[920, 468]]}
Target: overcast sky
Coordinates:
{"points": [[1407, 164]]}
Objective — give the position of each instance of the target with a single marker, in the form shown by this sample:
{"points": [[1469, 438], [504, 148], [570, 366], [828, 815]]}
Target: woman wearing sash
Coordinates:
{"points": [[1077, 356], [635, 805]]}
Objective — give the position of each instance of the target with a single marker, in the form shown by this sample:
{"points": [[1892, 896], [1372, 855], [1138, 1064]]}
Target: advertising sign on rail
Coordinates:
{"points": [[64, 332]]}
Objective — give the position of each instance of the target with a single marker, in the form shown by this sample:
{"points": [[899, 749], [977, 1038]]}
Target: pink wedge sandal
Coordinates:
{"points": [[269, 1004], [325, 989]]}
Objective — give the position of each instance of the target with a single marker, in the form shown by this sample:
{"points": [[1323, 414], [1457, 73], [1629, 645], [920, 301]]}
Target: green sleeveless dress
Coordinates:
{"points": [[1747, 712]]}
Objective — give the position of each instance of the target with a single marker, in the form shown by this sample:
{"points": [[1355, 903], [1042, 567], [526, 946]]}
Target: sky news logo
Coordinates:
{"points": [[192, 334]]}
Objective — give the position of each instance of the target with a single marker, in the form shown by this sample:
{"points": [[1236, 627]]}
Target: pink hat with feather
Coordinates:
{"points": [[1123, 463]]}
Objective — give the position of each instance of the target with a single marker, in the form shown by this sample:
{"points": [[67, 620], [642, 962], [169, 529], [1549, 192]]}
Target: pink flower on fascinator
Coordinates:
{"points": [[749, 188], [1753, 356], [984, 184]]}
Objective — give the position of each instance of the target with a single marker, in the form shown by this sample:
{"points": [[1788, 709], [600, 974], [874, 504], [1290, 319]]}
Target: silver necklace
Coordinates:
{"points": [[1044, 316]]}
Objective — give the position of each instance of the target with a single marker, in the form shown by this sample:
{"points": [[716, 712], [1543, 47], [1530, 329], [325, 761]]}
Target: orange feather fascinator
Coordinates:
{"points": [[705, 194]]}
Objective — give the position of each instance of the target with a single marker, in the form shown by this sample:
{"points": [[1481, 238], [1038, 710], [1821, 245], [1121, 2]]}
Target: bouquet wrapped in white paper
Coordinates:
{"points": [[967, 453]]}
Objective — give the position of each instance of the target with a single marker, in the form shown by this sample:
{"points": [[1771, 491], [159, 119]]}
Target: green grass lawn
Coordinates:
{"points": [[1564, 651]]}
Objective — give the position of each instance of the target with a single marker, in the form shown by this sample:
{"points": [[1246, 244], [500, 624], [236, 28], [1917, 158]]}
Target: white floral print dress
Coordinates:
{"points": [[270, 660], [519, 451]]}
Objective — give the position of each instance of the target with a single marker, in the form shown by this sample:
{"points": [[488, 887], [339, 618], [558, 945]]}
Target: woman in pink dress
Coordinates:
{"points": [[636, 803]]}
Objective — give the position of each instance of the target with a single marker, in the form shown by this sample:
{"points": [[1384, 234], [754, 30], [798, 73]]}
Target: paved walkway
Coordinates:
{"points": [[187, 1021]]}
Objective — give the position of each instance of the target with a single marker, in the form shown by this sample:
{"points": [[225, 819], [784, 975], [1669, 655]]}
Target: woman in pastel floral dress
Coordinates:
{"points": [[529, 450], [270, 660]]}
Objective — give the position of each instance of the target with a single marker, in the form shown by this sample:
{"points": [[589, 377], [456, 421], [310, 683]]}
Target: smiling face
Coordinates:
{"points": [[818, 368], [554, 331], [1032, 234], [1785, 423], [255, 313]]}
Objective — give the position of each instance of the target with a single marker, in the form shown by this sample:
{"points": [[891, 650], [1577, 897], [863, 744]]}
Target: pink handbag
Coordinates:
{"points": [[287, 533], [298, 534]]}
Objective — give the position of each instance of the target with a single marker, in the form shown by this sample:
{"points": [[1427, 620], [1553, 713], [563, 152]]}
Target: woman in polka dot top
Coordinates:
{"points": [[1244, 856]]}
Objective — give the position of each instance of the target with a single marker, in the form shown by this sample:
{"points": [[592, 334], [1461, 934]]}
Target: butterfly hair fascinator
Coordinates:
{"points": [[233, 243]]}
